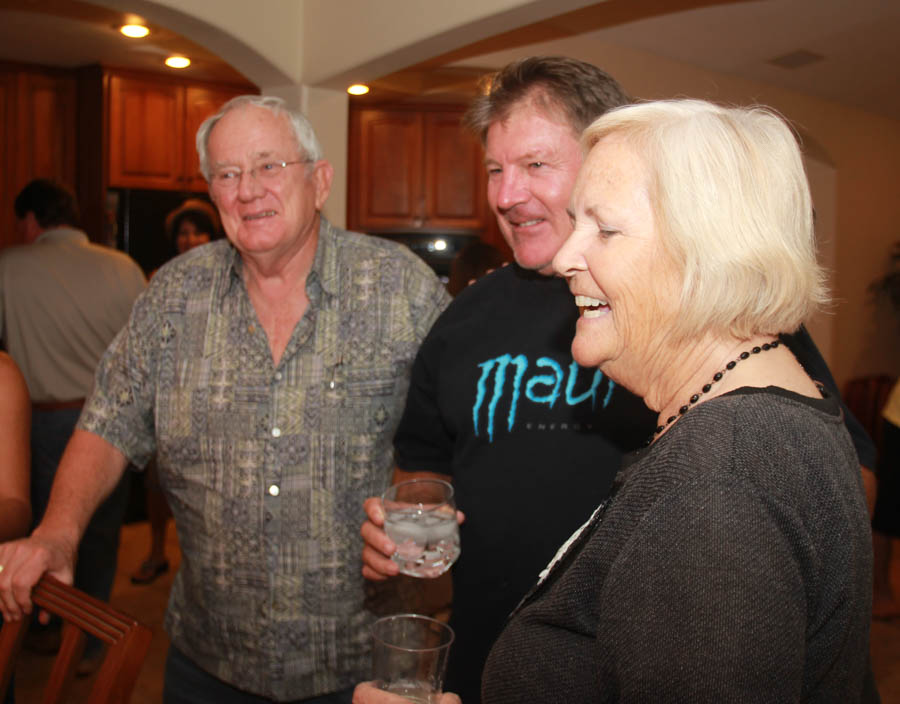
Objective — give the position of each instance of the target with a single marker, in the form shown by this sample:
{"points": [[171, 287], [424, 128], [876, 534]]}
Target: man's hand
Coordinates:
{"points": [[23, 563], [377, 563], [367, 693], [376, 555], [89, 469]]}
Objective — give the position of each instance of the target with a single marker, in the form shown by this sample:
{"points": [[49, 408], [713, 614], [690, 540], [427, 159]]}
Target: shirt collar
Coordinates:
{"points": [[234, 268], [57, 234], [324, 269], [325, 266]]}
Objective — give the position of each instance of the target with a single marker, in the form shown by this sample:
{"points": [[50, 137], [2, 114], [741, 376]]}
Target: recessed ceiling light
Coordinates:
{"points": [[135, 31], [358, 89], [178, 62]]}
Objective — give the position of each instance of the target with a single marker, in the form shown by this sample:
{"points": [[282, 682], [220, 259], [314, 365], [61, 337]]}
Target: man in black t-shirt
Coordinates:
{"points": [[530, 440]]}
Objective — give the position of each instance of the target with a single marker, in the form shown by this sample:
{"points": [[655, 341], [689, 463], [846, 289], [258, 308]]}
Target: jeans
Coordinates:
{"points": [[185, 683], [99, 547]]}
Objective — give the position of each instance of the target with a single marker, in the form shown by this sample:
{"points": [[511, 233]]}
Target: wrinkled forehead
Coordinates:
{"points": [[530, 132], [250, 133], [611, 165], [538, 101]]}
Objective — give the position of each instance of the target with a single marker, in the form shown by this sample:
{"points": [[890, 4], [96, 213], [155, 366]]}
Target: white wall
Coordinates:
{"points": [[358, 40], [823, 185]]}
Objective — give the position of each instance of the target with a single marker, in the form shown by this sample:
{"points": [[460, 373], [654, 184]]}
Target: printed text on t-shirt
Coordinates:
{"points": [[545, 388]]}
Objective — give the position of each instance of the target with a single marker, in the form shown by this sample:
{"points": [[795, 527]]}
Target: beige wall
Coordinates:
{"points": [[859, 199], [358, 40]]}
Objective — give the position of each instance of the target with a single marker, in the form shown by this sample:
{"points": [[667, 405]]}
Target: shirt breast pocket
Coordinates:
{"points": [[363, 400]]}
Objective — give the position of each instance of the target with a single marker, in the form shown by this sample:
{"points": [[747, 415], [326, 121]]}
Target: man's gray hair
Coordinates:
{"points": [[307, 142]]}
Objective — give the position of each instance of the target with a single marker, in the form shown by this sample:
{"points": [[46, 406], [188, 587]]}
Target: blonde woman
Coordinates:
{"points": [[732, 561]]}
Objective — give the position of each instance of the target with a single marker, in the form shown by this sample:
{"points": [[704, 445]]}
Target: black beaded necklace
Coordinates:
{"points": [[765, 347]]}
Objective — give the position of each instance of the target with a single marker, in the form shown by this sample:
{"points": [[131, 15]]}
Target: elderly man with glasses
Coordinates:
{"points": [[268, 372]]}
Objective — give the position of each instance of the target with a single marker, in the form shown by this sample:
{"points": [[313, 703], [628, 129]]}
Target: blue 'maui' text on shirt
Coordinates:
{"points": [[540, 388]]}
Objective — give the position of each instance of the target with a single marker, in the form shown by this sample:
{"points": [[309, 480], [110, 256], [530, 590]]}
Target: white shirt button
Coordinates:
{"points": [[274, 490], [276, 432], [277, 376]]}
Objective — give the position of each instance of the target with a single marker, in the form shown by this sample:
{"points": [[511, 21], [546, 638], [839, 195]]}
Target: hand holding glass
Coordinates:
{"points": [[410, 656], [420, 518]]}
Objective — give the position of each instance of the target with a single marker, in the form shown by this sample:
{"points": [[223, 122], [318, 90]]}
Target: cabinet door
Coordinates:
{"points": [[146, 128], [8, 233], [200, 103], [454, 174], [388, 183], [37, 135], [45, 128]]}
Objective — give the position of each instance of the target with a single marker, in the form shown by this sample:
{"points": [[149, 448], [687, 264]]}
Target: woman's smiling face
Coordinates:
{"points": [[189, 236], [627, 288]]}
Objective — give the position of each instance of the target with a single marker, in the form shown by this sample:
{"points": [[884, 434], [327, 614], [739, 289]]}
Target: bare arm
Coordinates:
{"points": [[377, 563], [15, 452], [88, 471]]}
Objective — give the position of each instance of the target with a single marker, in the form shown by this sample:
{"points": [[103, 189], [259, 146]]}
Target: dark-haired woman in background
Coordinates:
{"points": [[191, 224]]}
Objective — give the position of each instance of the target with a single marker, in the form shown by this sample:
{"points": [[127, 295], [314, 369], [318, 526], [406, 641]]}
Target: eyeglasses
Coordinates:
{"points": [[267, 171]]}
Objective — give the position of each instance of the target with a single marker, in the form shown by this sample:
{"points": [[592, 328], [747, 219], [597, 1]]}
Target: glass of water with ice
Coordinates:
{"points": [[420, 517]]}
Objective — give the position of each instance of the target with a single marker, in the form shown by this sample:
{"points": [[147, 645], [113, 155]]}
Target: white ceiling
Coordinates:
{"points": [[71, 33], [859, 41]]}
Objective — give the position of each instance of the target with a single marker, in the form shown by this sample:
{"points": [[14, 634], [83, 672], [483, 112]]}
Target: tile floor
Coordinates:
{"points": [[148, 604]]}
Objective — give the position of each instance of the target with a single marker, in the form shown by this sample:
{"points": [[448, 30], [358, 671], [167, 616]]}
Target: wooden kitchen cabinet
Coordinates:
{"points": [[146, 128], [7, 101], [201, 101], [414, 169], [152, 126], [45, 129], [37, 133]]}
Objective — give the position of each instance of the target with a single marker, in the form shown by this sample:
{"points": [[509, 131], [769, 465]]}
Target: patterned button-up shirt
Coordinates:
{"points": [[266, 467]]}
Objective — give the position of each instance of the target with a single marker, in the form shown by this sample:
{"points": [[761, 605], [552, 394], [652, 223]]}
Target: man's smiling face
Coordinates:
{"points": [[276, 215], [532, 158]]}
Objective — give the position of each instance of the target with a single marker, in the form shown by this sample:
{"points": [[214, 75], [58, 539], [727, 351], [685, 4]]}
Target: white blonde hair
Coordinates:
{"points": [[732, 205]]}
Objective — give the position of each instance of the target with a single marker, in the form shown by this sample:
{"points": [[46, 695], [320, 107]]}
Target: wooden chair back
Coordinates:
{"points": [[127, 643]]}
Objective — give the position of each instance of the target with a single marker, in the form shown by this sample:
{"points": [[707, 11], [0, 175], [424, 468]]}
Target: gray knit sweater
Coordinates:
{"points": [[732, 564]]}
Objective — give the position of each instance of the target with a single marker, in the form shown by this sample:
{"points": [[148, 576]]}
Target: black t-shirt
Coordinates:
{"points": [[531, 440]]}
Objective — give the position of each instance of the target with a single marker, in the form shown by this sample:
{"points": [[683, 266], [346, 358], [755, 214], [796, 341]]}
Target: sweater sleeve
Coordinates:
{"points": [[714, 576]]}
